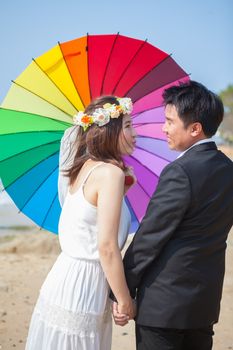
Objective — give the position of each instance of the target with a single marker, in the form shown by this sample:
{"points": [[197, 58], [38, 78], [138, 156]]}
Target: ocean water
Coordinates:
{"points": [[11, 221], [4, 198]]}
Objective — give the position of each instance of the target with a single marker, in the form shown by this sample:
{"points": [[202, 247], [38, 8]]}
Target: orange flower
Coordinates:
{"points": [[86, 119]]}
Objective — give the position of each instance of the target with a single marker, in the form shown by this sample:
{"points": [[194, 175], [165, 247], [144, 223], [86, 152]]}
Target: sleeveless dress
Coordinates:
{"points": [[73, 308]]}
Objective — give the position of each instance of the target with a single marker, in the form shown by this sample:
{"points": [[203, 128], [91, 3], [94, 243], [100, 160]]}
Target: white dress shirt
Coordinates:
{"points": [[195, 144]]}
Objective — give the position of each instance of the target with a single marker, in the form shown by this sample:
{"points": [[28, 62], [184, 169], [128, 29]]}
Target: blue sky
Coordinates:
{"points": [[198, 33]]}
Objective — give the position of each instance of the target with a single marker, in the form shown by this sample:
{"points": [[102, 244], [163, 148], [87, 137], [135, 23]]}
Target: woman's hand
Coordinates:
{"points": [[119, 319], [122, 313]]}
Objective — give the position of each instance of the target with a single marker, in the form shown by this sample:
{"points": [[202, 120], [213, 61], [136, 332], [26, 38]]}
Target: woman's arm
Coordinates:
{"points": [[109, 202]]}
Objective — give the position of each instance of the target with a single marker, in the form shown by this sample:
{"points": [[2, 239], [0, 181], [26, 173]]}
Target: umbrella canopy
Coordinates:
{"points": [[42, 101]]}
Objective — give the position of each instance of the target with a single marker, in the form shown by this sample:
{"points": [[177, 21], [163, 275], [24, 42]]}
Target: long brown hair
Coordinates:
{"points": [[98, 143]]}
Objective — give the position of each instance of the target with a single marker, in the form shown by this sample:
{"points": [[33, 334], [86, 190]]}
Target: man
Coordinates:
{"points": [[175, 264]]}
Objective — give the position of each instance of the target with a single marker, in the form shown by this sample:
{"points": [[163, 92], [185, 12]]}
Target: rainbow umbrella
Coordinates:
{"points": [[42, 101]]}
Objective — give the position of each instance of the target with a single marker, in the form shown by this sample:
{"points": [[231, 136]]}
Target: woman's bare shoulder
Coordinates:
{"points": [[110, 171]]}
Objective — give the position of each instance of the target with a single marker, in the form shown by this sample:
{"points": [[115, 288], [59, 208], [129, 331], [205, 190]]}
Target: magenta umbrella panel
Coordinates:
{"points": [[151, 154]]}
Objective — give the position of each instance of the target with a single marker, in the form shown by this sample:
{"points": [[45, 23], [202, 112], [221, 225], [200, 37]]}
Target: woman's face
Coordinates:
{"points": [[127, 138]]}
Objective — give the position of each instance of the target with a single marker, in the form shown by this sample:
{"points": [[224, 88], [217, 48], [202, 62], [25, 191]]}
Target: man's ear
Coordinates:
{"points": [[196, 129]]}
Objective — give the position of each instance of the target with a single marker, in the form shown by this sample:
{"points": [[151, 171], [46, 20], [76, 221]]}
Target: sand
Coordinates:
{"points": [[25, 260]]}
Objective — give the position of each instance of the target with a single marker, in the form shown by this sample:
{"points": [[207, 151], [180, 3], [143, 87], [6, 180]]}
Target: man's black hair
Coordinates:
{"points": [[195, 103]]}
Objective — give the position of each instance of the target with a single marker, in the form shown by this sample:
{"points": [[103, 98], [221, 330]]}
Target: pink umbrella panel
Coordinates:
{"points": [[150, 157]]}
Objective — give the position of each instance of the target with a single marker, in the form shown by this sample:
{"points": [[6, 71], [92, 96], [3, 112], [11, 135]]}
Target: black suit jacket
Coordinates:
{"points": [[175, 263]]}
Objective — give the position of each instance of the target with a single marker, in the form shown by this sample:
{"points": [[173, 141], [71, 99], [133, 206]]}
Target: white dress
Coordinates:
{"points": [[73, 308]]}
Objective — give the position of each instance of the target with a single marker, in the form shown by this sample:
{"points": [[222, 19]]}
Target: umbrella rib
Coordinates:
{"points": [[71, 77], [144, 192], [58, 132], [54, 83], [127, 66], [129, 204], [32, 132], [37, 115], [108, 62], [29, 170], [142, 149], [136, 124], [152, 138], [21, 209], [42, 98], [88, 71], [143, 189], [146, 110], [159, 87], [33, 148], [49, 210], [147, 73], [144, 166]]}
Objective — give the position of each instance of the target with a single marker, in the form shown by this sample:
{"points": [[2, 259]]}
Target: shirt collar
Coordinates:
{"points": [[195, 144]]}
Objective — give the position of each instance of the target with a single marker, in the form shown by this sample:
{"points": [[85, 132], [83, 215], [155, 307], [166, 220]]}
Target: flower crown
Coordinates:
{"points": [[102, 116]]}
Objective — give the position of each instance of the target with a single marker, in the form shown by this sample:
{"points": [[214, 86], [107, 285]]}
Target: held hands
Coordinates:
{"points": [[123, 313]]}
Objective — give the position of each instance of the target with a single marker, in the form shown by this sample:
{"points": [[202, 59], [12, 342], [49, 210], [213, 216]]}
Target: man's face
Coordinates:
{"points": [[179, 138]]}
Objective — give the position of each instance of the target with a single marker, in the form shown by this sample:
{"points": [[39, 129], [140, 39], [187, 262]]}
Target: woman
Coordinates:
{"points": [[73, 309]]}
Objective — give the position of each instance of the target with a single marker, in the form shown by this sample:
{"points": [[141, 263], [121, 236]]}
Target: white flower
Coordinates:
{"points": [[114, 112], [126, 104], [101, 116], [83, 120], [77, 118]]}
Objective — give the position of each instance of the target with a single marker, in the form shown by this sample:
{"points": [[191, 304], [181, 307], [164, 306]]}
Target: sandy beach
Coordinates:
{"points": [[25, 261], [26, 256]]}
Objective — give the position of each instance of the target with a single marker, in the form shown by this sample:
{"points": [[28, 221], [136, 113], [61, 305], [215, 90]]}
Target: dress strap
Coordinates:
{"points": [[89, 173]]}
